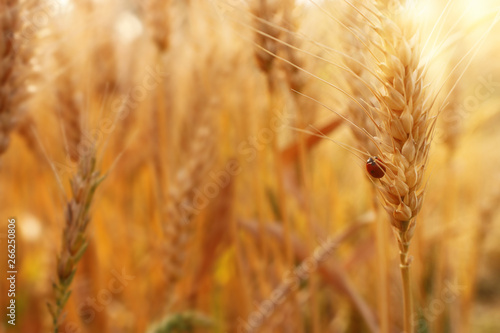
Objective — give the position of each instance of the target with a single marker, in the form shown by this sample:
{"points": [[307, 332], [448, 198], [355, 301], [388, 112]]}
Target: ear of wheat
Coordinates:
{"points": [[15, 67], [405, 129], [181, 207], [69, 107], [74, 241], [406, 124], [185, 198]]}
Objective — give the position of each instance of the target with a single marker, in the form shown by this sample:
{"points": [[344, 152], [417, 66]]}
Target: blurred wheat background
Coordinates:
{"points": [[216, 212]]}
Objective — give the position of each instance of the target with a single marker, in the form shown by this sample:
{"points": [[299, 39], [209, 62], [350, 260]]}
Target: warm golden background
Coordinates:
{"points": [[211, 196]]}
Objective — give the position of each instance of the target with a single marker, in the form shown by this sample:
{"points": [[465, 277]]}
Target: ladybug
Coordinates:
{"points": [[375, 168]]}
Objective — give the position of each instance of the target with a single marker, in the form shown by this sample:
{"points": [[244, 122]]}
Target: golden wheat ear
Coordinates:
{"points": [[405, 116]]}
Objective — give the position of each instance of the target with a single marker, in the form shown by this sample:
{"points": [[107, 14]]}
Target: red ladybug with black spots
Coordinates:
{"points": [[375, 167]]}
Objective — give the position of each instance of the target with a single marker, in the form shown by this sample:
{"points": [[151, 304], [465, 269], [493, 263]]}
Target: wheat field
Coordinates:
{"points": [[249, 166]]}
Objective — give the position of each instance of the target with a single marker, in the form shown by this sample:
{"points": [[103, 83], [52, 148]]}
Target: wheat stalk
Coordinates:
{"points": [[405, 129], [184, 189], [9, 24], [15, 66], [74, 241]]}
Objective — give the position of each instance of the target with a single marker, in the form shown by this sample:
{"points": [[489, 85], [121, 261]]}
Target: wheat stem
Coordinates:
{"points": [[405, 262]]}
